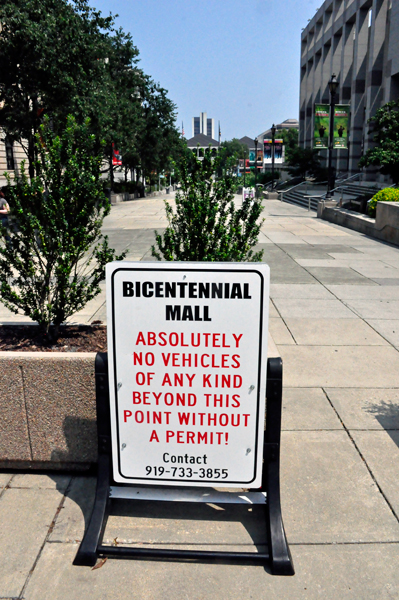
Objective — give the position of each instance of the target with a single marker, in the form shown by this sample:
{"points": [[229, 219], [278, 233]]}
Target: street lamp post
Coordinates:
{"points": [[273, 132], [332, 84], [256, 160]]}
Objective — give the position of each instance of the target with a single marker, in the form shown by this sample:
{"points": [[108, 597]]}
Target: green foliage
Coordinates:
{"points": [[267, 177], [386, 152], [156, 139], [385, 195], [230, 152], [60, 57], [262, 178], [53, 254], [303, 161], [206, 225], [290, 140]]}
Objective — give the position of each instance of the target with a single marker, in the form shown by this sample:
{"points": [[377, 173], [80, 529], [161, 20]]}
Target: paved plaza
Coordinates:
{"points": [[334, 318]]}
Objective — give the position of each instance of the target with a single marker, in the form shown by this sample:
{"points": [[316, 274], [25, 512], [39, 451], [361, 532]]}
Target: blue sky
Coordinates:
{"points": [[237, 61]]}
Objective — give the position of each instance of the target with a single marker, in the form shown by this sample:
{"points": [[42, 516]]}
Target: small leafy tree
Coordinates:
{"points": [[386, 152], [290, 140], [206, 225], [230, 152], [53, 255], [303, 161]]}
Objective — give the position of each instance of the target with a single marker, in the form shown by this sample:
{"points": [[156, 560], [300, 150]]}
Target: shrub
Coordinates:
{"points": [[206, 225], [53, 254], [385, 195]]}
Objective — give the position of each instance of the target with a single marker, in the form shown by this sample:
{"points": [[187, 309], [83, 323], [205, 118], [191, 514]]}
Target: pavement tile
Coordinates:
{"points": [[333, 332], [299, 290], [353, 255], [377, 270], [5, 479], [25, 518], [187, 525], [41, 482], [388, 328], [386, 282], [349, 572], [279, 332], [328, 495], [340, 366], [364, 292], [331, 275], [316, 262], [326, 240], [272, 311], [380, 449], [372, 409], [313, 308], [284, 238], [307, 409], [375, 309], [74, 517], [392, 259], [320, 251]]}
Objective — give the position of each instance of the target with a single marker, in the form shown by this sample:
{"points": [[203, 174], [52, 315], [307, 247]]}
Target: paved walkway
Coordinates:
{"points": [[335, 320]]}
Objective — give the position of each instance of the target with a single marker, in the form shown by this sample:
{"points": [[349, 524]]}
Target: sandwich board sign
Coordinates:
{"points": [[187, 356]]}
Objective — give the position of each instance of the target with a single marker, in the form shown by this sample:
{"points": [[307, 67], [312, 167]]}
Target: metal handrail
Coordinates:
{"points": [[282, 192], [351, 177]]}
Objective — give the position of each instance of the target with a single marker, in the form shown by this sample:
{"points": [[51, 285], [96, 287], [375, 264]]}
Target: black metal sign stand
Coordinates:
{"points": [[278, 555]]}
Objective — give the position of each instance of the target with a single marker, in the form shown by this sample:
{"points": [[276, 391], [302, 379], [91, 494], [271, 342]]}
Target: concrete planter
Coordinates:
{"points": [[47, 410], [384, 227]]}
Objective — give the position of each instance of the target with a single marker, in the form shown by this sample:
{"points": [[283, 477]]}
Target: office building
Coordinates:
{"points": [[203, 125], [358, 40]]}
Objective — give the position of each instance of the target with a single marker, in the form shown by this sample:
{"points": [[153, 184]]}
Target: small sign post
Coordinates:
{"points": [[187, 360]]}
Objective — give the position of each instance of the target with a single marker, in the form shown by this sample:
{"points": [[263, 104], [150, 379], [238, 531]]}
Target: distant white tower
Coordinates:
{"points": [[203, 125]]}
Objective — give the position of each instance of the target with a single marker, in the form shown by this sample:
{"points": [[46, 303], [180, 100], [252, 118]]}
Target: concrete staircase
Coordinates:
{"points": [[297, 195], [358, 189], [349, 191]]}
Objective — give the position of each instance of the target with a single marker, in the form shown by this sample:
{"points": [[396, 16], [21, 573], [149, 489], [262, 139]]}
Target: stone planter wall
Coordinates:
{"points": [[47, 410], [384, 227]]}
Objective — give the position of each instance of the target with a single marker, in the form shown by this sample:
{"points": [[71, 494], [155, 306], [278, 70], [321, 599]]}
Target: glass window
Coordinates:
{"points": [[10, 155]]}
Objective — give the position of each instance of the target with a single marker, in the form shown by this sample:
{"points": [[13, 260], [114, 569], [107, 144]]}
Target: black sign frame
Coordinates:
{"points": [[278, 556]]}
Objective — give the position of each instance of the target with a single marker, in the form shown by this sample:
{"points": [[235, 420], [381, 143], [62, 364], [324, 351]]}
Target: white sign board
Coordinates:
{"points": [[187, 350]]}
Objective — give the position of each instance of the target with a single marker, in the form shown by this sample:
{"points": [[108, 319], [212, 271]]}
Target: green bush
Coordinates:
{"points": [[206, 225], [385, 195], [53, 254]]}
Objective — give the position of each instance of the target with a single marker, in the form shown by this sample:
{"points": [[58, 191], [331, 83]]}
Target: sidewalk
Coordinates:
{"points": [[334, 316]]}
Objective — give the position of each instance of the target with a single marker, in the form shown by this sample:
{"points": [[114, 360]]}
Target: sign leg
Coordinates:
{"points": [[280, 556], [87, 553]]}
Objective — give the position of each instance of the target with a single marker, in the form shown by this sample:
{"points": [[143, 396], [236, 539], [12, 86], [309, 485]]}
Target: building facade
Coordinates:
{"points": [[199, 143], [11, 155], [203, 125], [358, 40]]}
